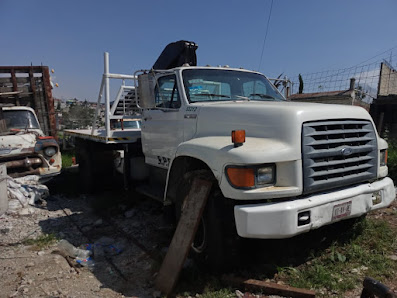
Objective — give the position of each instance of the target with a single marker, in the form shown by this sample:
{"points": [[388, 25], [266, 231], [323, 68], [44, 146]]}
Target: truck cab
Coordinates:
{"points": [[24, 148]]}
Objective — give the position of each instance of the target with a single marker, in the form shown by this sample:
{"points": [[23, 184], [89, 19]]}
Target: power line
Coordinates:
{"points": [[389, 50], [267, 30]]}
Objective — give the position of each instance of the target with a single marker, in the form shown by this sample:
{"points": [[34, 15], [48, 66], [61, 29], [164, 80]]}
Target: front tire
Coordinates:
{"points": [[216, 245]]}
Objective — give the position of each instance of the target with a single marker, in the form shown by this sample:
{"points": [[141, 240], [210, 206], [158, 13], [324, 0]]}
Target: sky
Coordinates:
{"points": [[303, 36]]}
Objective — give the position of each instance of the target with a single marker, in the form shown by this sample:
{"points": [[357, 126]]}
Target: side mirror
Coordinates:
{"points": [[146, 85]]}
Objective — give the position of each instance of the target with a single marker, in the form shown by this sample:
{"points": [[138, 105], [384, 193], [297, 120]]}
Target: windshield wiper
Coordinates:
{"points": [[242, 97], [211, 94], [262, 95]]}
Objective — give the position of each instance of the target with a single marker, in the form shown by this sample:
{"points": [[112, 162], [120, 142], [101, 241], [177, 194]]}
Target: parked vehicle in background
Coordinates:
{"points": [[278, 168], [24, 148], [27, 135]]}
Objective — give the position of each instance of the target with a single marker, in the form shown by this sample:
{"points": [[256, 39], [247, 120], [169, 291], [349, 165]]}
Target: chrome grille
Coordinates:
{"points": [[336, 153]]}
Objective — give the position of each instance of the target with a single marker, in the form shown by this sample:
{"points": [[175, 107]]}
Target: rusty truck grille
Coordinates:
{"points": [[22, 165], [337, 153]]}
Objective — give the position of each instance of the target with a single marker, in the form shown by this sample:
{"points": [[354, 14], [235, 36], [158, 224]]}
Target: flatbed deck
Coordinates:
{"points": [[117, 136]]}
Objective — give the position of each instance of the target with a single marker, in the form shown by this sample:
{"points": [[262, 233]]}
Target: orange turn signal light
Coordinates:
{"points": [[238, 137], [241, 177]]}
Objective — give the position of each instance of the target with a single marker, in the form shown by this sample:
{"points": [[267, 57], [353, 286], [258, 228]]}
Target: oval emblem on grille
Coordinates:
{"points": [[347, 151]]}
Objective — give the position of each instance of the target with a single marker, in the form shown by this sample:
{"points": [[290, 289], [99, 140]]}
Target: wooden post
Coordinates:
{"points": [[49, 102], [269, 288], [184, 235], [15, 85]]}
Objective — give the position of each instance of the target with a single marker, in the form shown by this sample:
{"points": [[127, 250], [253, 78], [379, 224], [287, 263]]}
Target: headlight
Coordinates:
{"points": [[383, 157], [50, 151], [251, 177], [265, 175]]}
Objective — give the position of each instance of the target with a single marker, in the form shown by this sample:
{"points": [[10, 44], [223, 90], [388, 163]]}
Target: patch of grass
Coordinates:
{"points": [[41, 242], [219, 293], [343, 266], [67, 158]]}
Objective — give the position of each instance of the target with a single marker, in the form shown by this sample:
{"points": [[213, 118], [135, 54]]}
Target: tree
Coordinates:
{"points": [[78, 116], [360, 93]]}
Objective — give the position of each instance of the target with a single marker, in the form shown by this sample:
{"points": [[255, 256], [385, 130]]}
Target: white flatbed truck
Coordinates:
{"points": [[279, 168]]}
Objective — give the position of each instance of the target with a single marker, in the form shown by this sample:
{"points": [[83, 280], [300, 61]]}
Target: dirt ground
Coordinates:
{"points": [[135, 230], [133, 225]]}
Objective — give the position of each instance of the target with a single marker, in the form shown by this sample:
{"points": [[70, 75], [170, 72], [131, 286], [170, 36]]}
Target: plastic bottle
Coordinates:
{"points": [[86, 262], [72, 251]]}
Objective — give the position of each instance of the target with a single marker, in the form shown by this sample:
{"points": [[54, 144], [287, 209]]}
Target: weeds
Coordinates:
{"points": [[221, 293], [209, 286], [392, 160], [41, 242], [67, 159], [343, 265]]}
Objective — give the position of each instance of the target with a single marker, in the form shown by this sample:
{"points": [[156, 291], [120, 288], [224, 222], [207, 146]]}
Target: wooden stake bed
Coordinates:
{"points": [[182, 240]]}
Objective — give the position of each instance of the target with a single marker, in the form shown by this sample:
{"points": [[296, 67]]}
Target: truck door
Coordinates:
{"points": [[162, 126]]}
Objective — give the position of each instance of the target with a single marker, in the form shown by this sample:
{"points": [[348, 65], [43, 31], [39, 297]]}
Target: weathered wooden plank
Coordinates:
{"points": [[184, 235], [21, 69], [11, 93], [269, 288], [49, 103]]}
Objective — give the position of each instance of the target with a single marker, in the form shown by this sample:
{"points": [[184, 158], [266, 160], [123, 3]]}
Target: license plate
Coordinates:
{"points": [[342, 210]]}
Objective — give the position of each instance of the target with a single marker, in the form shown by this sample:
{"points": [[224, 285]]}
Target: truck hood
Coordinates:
{"points": [[275, 120], [17, 144]]}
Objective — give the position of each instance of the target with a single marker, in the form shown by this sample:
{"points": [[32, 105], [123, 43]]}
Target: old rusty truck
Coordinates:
{"points": [[24, 148], [279, 168], [27, 123]]}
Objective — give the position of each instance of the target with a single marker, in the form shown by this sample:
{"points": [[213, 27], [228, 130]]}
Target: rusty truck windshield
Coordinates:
{"points": [[203, 85], [20, 119]]}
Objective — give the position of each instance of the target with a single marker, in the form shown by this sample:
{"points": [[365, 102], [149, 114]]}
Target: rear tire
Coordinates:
{"points": [[86, 171], [96, 166]]}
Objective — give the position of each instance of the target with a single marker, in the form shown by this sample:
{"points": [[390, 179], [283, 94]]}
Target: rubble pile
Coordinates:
{"points": [[24, 192]]}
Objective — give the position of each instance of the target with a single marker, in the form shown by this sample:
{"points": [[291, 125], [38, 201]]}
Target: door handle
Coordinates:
{"points": [[147, 118]]}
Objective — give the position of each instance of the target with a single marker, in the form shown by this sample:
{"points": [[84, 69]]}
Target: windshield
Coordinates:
{"points": [[224, 85], [128, 124], [21, 119]]}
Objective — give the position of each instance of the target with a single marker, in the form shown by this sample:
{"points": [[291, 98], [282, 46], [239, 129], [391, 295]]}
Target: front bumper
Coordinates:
{"points": [[280, 219], [47, 177]]}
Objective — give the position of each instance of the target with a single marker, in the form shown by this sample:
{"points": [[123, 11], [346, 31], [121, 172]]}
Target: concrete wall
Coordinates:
{"points": [[387, 80]]}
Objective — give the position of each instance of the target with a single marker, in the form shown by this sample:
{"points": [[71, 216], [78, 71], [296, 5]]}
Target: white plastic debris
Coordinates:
{"points": [[23, 192]]}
